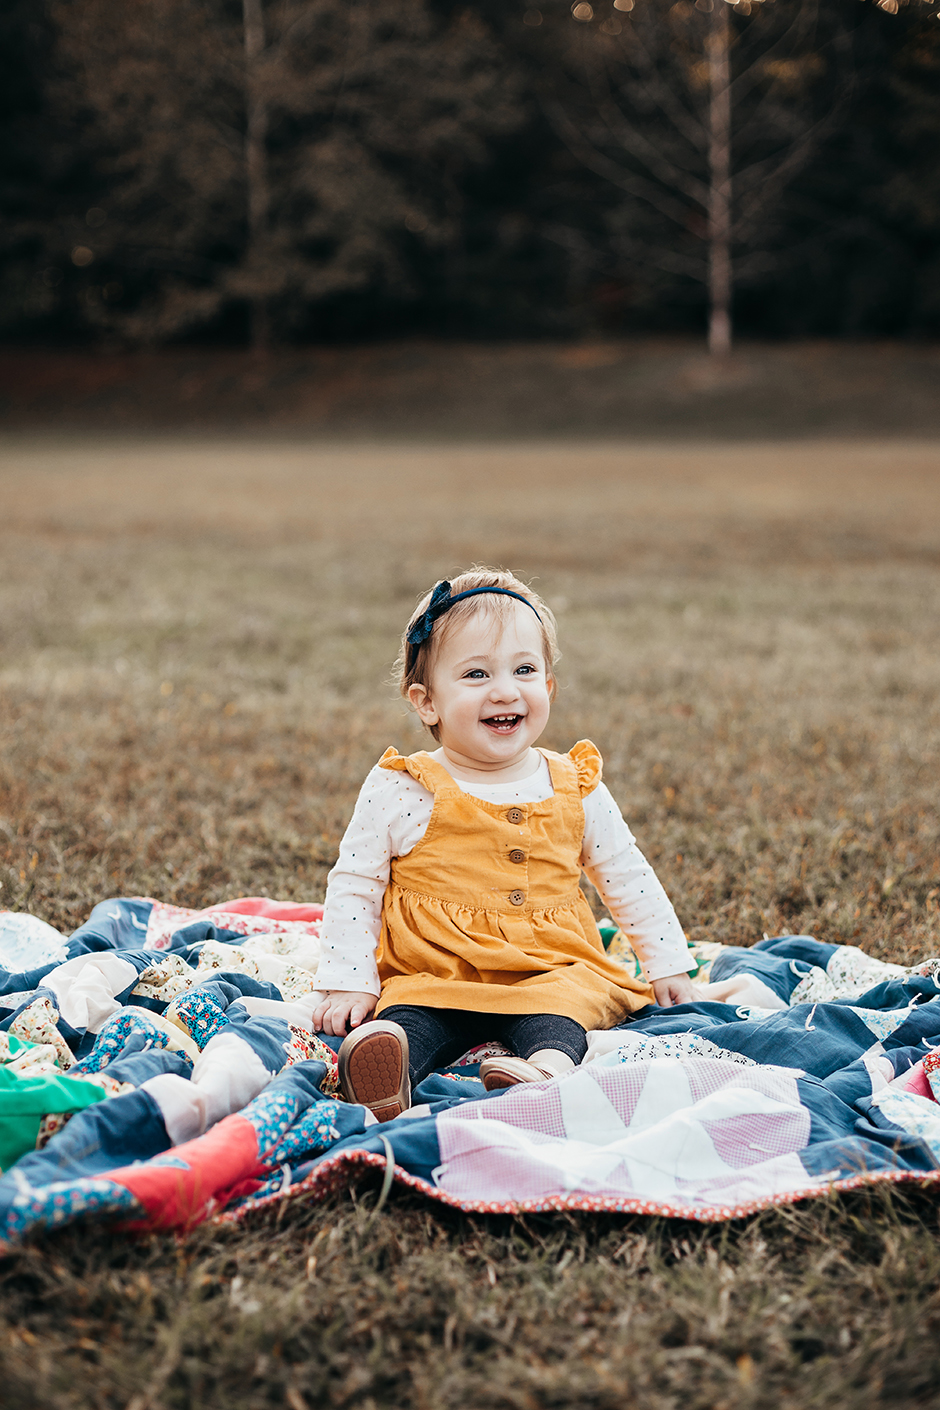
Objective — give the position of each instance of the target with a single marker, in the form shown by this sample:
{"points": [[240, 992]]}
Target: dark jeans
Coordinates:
{"points": [[437, 1036]]}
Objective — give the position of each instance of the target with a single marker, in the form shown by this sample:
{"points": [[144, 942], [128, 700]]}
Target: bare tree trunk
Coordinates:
{"points": [[719, 181], [256, 158]]}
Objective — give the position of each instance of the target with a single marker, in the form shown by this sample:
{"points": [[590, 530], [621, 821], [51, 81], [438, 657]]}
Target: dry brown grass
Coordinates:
{"points": [[194, 642], [834, 1306]]}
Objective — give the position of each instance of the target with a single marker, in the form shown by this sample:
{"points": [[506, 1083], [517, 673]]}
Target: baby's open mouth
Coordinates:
{"points": [[502, 724]]}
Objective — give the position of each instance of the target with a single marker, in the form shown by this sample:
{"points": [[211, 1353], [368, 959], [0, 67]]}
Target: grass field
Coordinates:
{"points": [[196, 639]]}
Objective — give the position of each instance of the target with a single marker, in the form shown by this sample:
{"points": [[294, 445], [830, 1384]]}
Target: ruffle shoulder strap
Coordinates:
{"points": [[427, 771], [586, 758]]}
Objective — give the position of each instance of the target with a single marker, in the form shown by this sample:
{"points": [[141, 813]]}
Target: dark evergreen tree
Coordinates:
{"points": [[265, 157], [28, 148]]}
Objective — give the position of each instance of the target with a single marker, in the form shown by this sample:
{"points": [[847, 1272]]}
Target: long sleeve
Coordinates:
{"points": [[630, 889], [391, 814]]}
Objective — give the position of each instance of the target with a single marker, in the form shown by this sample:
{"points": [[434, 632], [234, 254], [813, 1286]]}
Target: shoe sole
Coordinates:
{"points": [[498, 1082], [373, 1072], [510, 1072]]}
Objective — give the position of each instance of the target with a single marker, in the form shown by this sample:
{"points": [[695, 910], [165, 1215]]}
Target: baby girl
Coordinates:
{"points": [[455, 910]]}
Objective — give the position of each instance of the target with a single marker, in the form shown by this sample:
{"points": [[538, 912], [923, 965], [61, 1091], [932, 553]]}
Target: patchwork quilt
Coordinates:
{"points": [[159, 1067]]}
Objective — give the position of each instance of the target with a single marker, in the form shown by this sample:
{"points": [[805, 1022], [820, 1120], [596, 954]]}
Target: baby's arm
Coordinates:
{"points": [[635, 897], [352, 913]]}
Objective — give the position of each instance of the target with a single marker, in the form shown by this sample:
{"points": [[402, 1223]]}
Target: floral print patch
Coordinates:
{"points": [[271, 1114], [37, 1024], [166, 980], [113, 1037], [28, 1059], [682, 1047], [199, 1015], [26, 942], [64, 1201], [314, 1131], [304, 1044]]}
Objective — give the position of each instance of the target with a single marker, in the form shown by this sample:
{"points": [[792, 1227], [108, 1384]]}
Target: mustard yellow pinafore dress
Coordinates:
{"points": [[486, 912]]}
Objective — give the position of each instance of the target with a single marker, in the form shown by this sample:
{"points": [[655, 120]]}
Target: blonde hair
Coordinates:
{"points": [[415, 663]]}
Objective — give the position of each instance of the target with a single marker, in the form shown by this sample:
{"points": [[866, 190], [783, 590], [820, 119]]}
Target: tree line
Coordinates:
{"points": [[274, 170]]}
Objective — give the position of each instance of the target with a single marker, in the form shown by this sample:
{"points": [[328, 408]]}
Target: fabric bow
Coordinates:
{"points": [[423, 627]]}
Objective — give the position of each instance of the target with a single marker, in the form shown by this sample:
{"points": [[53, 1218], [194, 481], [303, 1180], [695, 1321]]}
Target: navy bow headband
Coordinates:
{"points": [[441, 602]]}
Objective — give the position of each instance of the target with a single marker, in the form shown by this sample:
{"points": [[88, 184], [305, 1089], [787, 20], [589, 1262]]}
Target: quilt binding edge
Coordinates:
{"points": [[329, 1177]]}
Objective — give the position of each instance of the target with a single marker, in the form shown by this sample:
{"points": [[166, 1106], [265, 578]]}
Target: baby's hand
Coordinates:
{"points": [[673, 989], [342, 1010]]}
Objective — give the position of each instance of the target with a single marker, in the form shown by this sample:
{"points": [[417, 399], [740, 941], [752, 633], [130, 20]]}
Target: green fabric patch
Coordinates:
{"points": [[24, 1101]]}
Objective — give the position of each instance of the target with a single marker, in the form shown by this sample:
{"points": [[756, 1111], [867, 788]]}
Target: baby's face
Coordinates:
{"points": [[490, 689]]}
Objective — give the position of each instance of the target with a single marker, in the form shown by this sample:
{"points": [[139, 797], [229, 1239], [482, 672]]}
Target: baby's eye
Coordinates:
{"points": [[475, 675], [526, 670]]}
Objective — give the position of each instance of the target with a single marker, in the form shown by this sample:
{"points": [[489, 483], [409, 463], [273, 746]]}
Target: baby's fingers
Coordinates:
{"points": [[359, 1011], [317, 1016], [331, 1019], [335, 1020]]}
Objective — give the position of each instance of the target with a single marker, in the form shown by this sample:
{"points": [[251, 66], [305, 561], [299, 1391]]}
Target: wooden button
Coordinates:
{"points": [[515, 815], [517, 855], [517, 898]]}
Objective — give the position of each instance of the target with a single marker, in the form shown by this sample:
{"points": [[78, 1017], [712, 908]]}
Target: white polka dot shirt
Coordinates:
{"points": [[391, 816]]}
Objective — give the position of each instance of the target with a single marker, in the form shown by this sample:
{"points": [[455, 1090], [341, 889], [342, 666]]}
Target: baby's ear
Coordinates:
{"points": [[421, 703]]}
